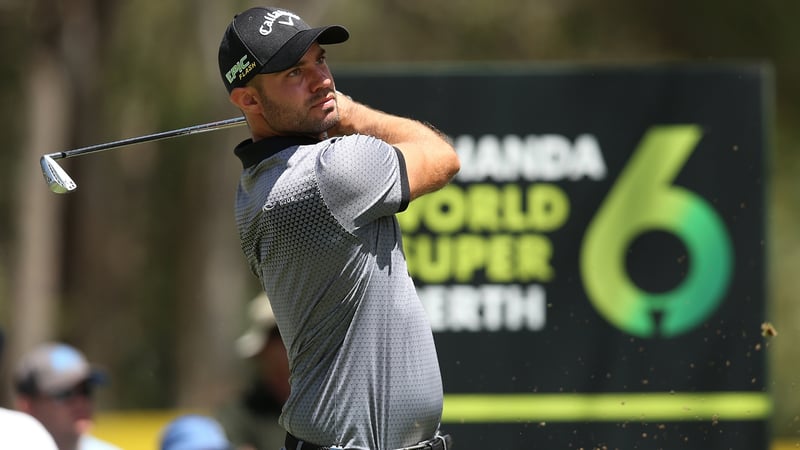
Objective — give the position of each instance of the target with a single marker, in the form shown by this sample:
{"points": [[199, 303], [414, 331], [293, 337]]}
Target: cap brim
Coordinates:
{"points": [[298, 45], [97, 377], [251, 343]]}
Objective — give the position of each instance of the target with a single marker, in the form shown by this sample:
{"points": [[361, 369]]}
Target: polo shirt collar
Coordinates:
{"points": [[251, 153]]}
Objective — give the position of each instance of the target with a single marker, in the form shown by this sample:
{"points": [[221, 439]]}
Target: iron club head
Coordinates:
{"points": [[56, 177], [61, 183]]}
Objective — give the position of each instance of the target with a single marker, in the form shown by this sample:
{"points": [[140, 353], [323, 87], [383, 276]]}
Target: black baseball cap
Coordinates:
{"points": [[267, 40]]}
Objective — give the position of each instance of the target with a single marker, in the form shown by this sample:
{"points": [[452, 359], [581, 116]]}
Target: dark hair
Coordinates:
{"points": [[27, 385]]}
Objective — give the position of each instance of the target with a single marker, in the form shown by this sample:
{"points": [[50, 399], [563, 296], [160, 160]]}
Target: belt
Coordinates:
{"points": [[439, 442]]}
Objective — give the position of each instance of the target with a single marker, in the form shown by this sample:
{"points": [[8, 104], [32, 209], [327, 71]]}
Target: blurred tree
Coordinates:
{"points": [[36, 276]]}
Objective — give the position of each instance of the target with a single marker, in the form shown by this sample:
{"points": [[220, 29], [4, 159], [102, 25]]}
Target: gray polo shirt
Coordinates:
{"points": [[316, 222]]}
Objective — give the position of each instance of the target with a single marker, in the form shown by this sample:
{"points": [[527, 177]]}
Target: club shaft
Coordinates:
{"points": [[195, 129]]}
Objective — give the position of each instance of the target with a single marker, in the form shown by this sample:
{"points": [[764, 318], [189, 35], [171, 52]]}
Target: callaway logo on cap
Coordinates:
{"points": [[267, 40]]}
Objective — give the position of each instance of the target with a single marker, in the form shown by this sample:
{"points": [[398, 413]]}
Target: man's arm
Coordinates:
{"points": [[430, 160]]}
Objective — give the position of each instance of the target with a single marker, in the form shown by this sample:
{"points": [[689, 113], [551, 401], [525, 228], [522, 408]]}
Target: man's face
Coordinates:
{"points": [[302, 99], [66, 414]]}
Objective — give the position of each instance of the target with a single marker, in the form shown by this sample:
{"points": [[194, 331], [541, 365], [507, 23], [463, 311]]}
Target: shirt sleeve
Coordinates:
{"points": [[362, 178]]}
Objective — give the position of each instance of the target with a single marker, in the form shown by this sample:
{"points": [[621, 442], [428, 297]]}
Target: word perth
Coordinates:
{"points": [[481, 249]]}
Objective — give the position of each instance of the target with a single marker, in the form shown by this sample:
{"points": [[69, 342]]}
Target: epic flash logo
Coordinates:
{"points": [[241, 68], [270, 19], [644, 199]]}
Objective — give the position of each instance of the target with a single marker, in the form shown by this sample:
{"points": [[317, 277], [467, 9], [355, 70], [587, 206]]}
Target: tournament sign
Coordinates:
{"points": [[594, 275]]}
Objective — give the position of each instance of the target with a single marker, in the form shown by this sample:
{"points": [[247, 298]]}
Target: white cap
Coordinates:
{"points": [[262, 320], [53, 367]]}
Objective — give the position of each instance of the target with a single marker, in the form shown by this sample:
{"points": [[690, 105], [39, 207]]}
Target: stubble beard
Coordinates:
{"points": [[297, 122]]}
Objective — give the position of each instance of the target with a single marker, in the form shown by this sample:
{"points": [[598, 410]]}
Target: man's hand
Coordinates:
{"points": [[430, 160], [344, 105]]}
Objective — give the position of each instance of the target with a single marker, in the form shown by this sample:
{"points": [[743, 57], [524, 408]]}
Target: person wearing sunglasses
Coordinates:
{"points": [[54, 383]]}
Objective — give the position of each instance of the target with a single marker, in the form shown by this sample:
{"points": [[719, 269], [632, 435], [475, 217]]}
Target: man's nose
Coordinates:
{"points": [[322, 79]]}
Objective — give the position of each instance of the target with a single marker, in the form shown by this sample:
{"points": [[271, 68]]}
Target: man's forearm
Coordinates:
{"points": [[356, 118], [431, 161]]}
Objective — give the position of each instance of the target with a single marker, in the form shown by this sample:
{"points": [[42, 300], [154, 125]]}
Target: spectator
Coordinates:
{"points": [[54, 383], [251, 420], [194, 432], [21, 431]]}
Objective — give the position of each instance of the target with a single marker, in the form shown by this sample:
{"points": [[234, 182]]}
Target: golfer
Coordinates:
{"points": [[323, 177]]}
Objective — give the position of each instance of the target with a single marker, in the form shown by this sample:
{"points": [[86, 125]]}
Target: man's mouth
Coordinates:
{"points": [[326, 102]]}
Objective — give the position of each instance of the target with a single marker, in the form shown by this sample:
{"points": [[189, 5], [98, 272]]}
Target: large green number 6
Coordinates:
{"points": [[644, 199]]}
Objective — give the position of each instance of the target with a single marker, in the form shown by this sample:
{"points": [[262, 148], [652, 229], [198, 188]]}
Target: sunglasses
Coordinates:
{"points": [[82, 390]]}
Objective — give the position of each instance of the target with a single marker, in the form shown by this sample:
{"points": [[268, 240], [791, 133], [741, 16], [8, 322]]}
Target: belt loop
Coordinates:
{"points": [[444, 442]]}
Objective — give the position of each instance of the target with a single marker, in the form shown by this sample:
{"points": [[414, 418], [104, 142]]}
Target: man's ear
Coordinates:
{"points": [[246, 98]]}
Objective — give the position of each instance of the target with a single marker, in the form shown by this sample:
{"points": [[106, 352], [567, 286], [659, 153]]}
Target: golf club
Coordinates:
{"points": [[60, 182]]}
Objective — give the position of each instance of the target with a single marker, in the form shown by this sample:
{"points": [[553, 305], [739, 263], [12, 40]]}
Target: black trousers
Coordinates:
{"points": [[440, 442]]}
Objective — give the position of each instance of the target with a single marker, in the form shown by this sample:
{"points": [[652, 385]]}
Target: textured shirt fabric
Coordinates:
{"points": [[316, 222]]}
